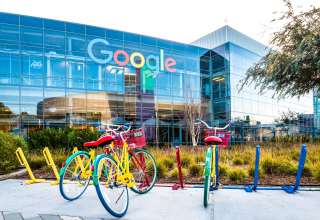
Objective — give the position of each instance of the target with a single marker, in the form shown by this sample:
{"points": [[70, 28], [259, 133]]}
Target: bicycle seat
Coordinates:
{"points": [[101, 141], [213, 140]]}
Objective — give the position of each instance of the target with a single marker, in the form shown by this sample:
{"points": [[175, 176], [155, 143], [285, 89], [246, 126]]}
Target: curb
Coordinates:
{"points": [[13, 174]]}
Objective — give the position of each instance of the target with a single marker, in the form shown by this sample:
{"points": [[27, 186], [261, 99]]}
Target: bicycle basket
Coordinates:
{"points": [[137, 137]]}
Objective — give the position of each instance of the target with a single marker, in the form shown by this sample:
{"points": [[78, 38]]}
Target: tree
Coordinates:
{"points": [[192, 111], [5, 111], [292, 66]]}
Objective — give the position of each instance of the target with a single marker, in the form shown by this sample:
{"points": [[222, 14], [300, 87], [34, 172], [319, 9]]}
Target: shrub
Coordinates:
{"points": [[186, 160], [174, 174], [223, 169], [247, 159], [195, 170], [162, 169], [251, 170], [237, 175], [200, 158], [168, 162], [278, 166], [237, 161], [64, 138], [37, 161], [316, 172], [8, 145], [307, 170], [295, 155]]}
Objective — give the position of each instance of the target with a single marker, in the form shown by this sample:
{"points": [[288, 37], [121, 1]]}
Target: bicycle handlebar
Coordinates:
{"points": [[214, 128], [117, 129]]}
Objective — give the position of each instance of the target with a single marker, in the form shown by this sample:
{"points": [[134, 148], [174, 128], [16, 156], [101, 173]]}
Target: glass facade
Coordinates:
{"points": [[57, 74], [255, 117]]}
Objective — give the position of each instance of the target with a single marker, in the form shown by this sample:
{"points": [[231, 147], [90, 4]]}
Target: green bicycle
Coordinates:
{"points": [[210, 180]]}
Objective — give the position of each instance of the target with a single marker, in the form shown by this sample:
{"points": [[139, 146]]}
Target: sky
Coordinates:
{"points": [[178, 20]]}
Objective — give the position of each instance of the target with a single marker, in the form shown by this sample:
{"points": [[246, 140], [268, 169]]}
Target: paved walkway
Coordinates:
{"points": [[43, 202]]}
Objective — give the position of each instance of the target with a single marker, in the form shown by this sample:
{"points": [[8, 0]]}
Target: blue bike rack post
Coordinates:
{"points": [[253, 187], [302, 159], [217, 168]]}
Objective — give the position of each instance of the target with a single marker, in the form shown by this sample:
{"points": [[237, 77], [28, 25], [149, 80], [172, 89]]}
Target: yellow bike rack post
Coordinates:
{"points": [[50, 162], [23, 161]]}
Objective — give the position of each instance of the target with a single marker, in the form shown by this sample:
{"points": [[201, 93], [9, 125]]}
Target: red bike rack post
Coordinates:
{"points": [[180, 184]]}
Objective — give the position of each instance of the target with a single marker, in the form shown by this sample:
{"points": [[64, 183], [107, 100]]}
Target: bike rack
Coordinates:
{"points": [[180, 184], [302, 159], [23, 162], [253, 187], [47, 155]]}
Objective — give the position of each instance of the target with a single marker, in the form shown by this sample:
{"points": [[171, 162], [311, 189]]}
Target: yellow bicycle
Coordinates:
{"points": [[113, 174], [77, 172]]}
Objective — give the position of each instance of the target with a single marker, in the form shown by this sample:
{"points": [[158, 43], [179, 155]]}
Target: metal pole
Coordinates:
{"points": [[302, 159], [176, 186], [251, 188], [217, 167], [256, 168]]}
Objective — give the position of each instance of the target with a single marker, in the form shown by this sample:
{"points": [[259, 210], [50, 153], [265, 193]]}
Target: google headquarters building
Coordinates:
{"points": [[61, 74]]}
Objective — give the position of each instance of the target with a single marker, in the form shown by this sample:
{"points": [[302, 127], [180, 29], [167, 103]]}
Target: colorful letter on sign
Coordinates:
{"points": [[136, 59]]}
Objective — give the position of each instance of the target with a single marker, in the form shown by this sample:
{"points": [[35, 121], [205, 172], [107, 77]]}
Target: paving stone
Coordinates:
{"points": [[34, 218], [90, 218], [65, 217], [49, 217], [12, 216]]}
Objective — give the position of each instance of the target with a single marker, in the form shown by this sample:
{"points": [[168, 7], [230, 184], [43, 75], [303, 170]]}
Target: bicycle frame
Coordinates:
{"points": [[123, 174], [213, 163], [85, 169]]}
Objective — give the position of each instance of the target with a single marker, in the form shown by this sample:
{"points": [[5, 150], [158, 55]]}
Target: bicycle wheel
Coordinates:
{"points": [[143, 167], [113, 195], [75, 175], [207, 178]]}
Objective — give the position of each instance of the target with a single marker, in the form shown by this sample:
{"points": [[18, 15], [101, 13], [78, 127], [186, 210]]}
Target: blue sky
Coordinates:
{"points": [[178, 20]]}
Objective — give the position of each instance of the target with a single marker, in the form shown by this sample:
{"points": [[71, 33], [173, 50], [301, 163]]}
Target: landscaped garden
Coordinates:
{"points": [[278, 162]]}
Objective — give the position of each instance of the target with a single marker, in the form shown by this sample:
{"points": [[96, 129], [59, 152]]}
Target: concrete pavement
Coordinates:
{"points": [[42, 201]]}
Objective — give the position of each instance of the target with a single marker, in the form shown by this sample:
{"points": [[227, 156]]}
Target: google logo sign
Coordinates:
{"points": [[136, 59]]}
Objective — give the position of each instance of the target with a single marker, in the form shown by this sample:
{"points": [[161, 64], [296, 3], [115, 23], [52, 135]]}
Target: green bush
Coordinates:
{"points": [[237, 175], [186, 160], [223, 169], [37, 161], [195, 170], [168, 162], [237, 161], [174, 174], [162, 169], [307, 170], [64, 138], [251, 170], [316, 172], [8, 145], [200, 158], [278, 166]]}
